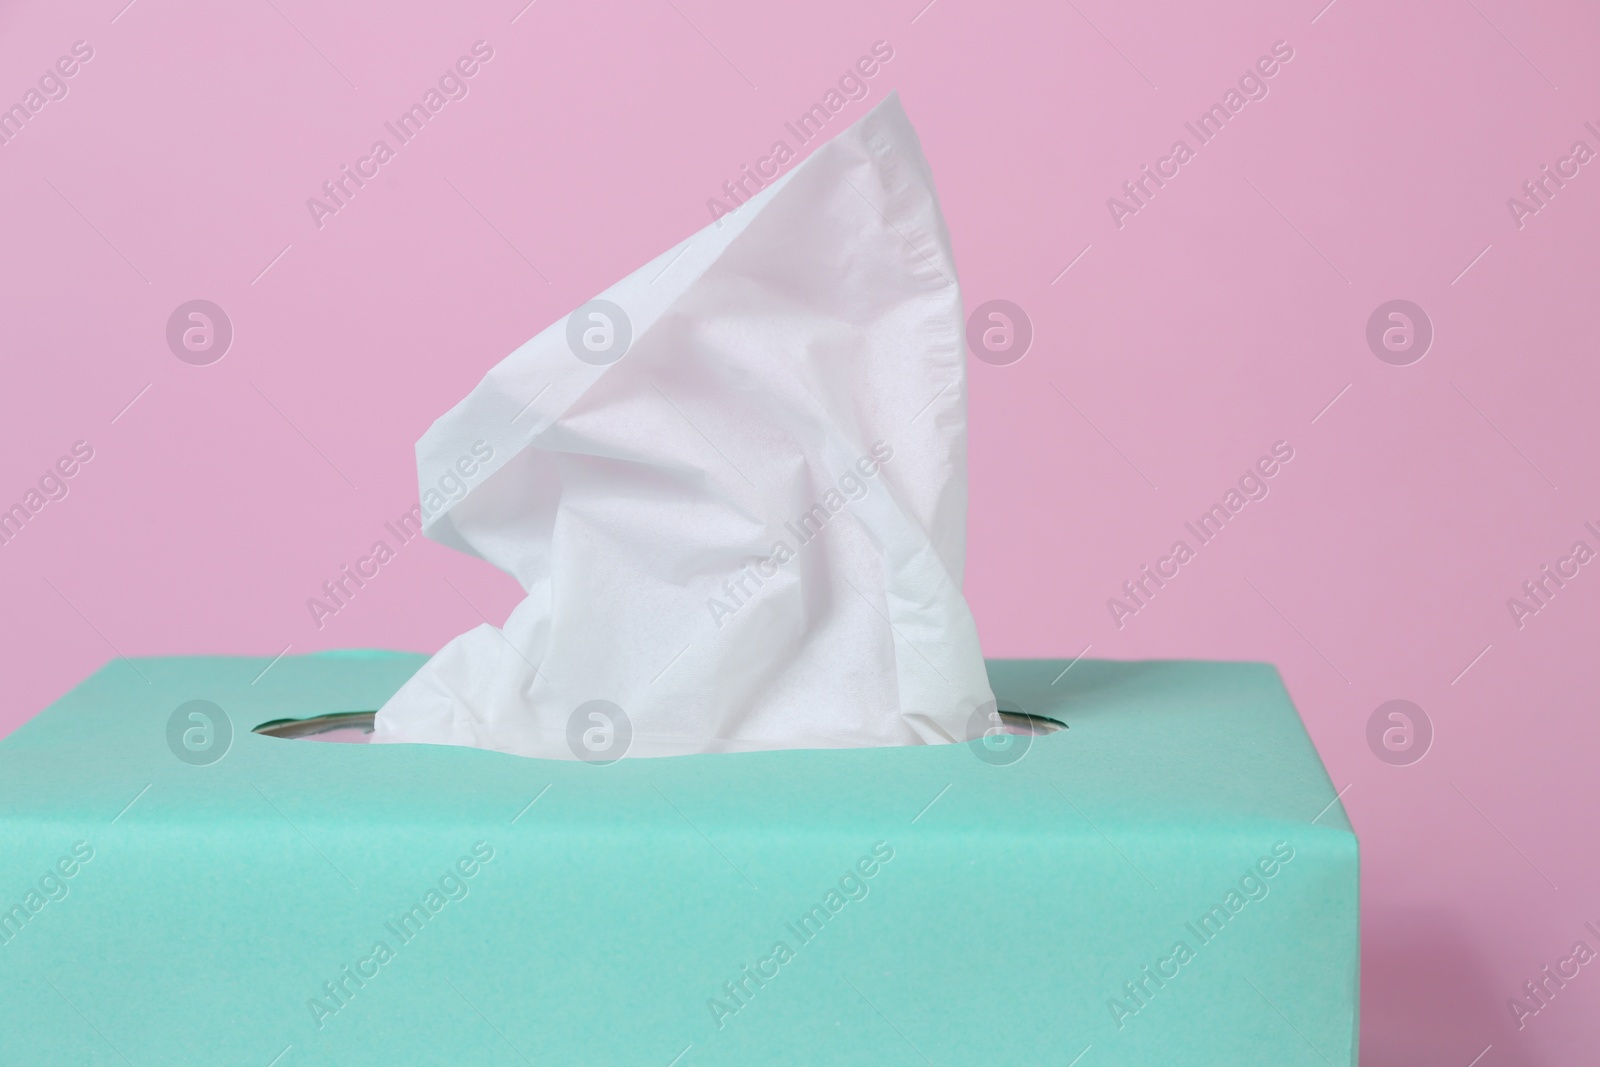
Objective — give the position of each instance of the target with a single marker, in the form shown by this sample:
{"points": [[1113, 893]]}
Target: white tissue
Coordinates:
{"points": [[748, 531]]}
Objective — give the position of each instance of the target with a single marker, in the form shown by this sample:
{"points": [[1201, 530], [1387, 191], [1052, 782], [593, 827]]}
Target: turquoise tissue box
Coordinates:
{"points": [[1170, 879]]}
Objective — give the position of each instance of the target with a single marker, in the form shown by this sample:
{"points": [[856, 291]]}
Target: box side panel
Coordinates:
{"points": [[746, 942]]}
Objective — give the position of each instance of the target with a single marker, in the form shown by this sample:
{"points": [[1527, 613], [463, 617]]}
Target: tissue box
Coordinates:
{"points": [[1170, 879]]}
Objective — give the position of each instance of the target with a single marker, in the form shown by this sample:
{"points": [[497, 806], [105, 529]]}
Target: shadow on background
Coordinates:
{"points": [[1428, 997]]}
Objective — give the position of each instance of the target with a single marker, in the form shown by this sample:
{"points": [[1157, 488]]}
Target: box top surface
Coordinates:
{"points": [[1148, 743]]}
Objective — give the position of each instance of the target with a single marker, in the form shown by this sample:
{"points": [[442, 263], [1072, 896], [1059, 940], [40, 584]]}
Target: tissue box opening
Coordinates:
{"points": [[355, 727], [346, 727]]}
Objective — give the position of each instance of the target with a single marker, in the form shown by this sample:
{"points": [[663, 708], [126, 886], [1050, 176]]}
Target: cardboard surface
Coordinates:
{"points": [[612, 913]]}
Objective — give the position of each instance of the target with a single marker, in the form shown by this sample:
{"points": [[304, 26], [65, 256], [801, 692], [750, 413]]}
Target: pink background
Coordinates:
{"points": [[1223, 317]]}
